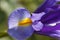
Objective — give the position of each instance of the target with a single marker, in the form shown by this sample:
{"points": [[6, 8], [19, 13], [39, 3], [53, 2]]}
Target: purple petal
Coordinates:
{"points": [[21, 33], [49, 30], [52, 16], [36, 16], [16, 31], [56, 34], [46, 4], [17, 15], [37, 26]]}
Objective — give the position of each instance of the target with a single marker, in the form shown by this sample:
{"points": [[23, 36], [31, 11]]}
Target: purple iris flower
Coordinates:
{"points": [[44, 21]]}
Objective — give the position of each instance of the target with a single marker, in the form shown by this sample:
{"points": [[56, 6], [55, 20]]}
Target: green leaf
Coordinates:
{"points": [[6, 37], [3, 21]]}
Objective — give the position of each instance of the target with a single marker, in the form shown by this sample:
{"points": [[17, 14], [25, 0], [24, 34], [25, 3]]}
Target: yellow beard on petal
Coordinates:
{"points": [[25, 22]]}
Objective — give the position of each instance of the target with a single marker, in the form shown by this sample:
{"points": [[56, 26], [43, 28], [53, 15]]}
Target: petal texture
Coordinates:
{"points": [[57, 34], [52, 16], [53, 31], [46, 4], [37, 26], [19, 32], [16, 16], [36, 16]]}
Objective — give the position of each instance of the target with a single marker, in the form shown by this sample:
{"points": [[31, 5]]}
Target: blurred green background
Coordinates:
{"points": [[7, 6]]}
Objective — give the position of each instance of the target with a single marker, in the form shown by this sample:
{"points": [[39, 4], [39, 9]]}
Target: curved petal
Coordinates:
{"points": [[50, 30], [17, 15], [19, 32], [36, 16], [56, 34], [37, 26], [46, 4], [52, 16]]}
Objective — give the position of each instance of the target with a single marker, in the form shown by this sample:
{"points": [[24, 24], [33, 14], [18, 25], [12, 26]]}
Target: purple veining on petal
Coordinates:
{"points": [[16, 31], [46, 4], [17, 15], [56, 34], [52, 16], [48, 30], [55, 7], [36, 16], [38, 26]]}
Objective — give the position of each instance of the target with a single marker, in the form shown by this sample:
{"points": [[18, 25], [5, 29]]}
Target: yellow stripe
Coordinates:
{"points": [[25, 22]]}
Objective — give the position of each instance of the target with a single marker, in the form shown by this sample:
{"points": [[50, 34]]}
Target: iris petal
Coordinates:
{"points": [[52, 16], [37, 26], [19, 32], [57, 34], [16, 16], [50, 30], [36, 16], [46, 4]]}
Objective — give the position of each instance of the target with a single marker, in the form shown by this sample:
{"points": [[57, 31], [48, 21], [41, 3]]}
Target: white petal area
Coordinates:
{"points": [[58, 22], [54, 24], [13, 23], [17, 15], [58, 0], [37, 16], [38, 26], [55, 35], [58, 31], [13, 20]]}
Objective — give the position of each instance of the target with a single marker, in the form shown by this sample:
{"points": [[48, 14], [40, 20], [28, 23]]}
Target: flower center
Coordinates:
{"points": [[25, 22]]}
